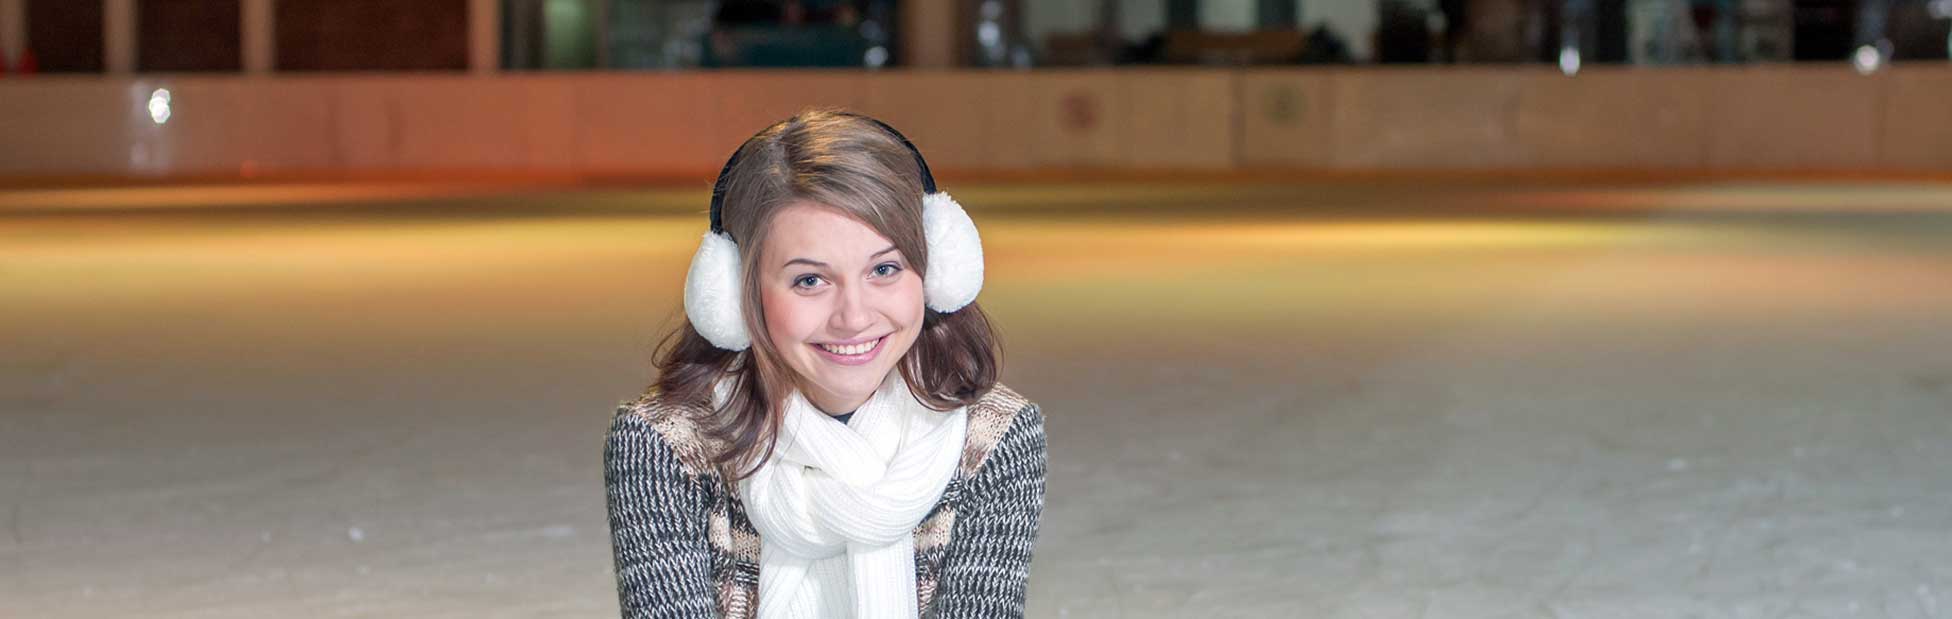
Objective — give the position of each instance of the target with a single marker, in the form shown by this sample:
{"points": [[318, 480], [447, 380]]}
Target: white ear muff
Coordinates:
{"points": [[955, 254], [713, 293]]}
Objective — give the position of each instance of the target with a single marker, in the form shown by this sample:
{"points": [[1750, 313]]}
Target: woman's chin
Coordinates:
{"points": [[855, 382]]}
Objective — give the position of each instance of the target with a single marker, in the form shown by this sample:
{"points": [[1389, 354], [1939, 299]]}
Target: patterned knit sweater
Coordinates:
{"points": [[684, 547]]}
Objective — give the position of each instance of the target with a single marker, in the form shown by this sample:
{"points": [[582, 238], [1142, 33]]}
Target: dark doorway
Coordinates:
{"points": [[189, 35], [66, 35]]}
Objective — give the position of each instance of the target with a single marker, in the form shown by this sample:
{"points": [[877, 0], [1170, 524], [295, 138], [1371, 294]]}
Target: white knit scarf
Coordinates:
{"points": [[837, 505]]}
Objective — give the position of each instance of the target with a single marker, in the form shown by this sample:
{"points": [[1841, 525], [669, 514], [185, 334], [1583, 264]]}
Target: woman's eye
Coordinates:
{"points": [[886, 269], [806, 281]]}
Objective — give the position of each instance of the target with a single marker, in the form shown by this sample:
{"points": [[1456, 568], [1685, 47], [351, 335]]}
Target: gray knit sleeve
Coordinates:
{"points": [[657, 525], [986, 567]]}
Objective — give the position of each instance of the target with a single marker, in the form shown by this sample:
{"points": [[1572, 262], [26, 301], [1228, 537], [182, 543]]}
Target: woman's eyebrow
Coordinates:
{"points": [[822, 265]]}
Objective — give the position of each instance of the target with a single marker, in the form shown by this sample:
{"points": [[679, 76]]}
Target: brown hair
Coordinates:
{"points": [[845, 162]]}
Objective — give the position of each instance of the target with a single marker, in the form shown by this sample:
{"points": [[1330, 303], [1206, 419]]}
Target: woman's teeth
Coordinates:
{"points": [[850, 350]]}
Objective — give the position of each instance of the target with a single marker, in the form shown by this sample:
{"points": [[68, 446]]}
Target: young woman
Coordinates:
{"points": [[827, 437]]}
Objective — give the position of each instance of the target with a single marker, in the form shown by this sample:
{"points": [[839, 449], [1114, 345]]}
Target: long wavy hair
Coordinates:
{"points": [[846, 162]]}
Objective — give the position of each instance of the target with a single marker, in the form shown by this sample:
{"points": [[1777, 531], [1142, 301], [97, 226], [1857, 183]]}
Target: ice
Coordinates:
{"points": [[397, 410]]}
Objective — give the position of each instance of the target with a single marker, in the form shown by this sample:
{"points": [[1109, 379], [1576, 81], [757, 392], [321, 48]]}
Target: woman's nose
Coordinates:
{"points": [[852, 315]]}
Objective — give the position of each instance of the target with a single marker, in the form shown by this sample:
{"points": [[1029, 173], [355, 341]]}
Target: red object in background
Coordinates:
{"points": [[27, 64]]}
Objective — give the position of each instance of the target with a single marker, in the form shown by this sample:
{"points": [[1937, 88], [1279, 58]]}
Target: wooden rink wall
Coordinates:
{"points": [[1478, 118]]}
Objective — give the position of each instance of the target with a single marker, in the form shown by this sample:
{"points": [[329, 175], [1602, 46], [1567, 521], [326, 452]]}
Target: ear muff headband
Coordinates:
{"points": [[713, 287], [718, 187]]}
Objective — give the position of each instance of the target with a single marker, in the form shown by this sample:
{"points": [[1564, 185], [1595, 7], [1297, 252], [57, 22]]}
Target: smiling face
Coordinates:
{"points": [[842, 305]]}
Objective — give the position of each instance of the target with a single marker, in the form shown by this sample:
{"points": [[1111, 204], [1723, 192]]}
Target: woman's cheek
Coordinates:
{"points": [[803, 315], [784, 315], [916, 303]]}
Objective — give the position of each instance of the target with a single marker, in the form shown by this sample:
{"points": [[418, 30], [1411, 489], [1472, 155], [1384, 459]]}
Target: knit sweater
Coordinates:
{"points": [[685, 549]]}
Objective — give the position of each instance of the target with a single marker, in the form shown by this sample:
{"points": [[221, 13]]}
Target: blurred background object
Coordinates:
{"points": [[369, 86], [637, 88], [207, 35]]}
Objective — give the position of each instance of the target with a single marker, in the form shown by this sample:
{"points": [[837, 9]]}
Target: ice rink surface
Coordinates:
{"points": [[1338, 399]]}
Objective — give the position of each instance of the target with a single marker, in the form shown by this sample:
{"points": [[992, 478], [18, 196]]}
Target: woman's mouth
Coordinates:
{"points": [[852, 354]]}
